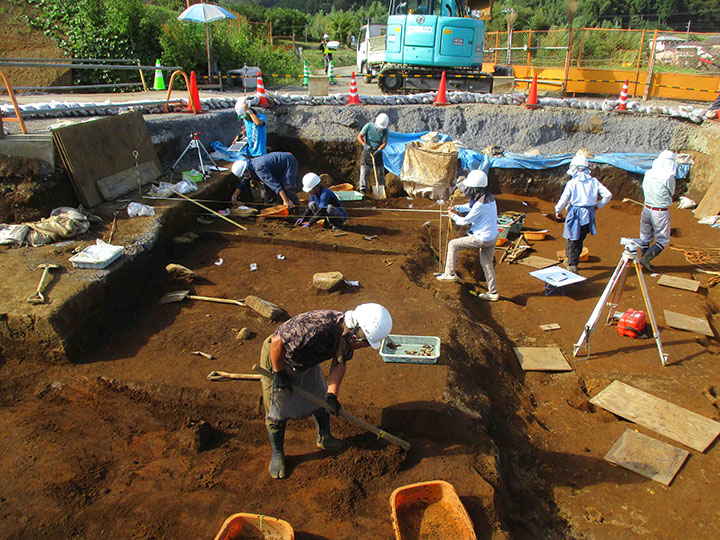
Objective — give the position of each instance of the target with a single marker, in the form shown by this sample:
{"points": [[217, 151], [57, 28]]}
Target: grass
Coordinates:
{"points": [[344, 56]]}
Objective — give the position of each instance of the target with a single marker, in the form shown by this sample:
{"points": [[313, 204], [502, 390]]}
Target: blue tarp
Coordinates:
{"points": [[635, 162]]}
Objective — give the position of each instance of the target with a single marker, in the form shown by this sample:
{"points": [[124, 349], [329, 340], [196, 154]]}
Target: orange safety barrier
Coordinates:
{"points": [[18, 116], [170, 86]]}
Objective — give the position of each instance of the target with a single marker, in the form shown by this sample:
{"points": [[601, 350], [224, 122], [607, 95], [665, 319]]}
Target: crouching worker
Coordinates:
{"points": [[481, 215], [276, 170], [294, 354], [581, 197], [323, 204]]}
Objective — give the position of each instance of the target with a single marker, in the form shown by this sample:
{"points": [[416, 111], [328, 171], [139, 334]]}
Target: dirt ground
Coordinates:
{"points": [[132, 441]]}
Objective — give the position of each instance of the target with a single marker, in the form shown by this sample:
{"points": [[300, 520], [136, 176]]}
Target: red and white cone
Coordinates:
{"points": [[354, 98], [622, 105], [261, 92]]}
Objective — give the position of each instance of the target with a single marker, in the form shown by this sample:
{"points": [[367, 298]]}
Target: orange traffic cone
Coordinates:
{"points": [[532, 100], [354, 98], [261, 92], [441, 97], [194, 95], [622, 105]]}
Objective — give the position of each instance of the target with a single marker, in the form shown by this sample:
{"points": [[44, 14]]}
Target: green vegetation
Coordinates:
{"points": [[344, 56]]}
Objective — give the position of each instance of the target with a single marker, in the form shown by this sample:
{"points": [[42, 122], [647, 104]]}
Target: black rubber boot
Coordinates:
{"points": [[325, 440], [276, 432], [649, 255]]}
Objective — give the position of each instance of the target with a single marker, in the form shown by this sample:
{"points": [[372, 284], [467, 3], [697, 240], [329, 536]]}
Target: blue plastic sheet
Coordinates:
{"points": [[635, 162]]}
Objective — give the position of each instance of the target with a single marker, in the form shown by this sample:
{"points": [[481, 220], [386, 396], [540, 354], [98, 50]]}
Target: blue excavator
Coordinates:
{"points": [[426, 37]]}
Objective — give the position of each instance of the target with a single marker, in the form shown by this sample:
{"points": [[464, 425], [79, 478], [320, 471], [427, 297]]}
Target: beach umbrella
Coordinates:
{"points": [[206, 13]]}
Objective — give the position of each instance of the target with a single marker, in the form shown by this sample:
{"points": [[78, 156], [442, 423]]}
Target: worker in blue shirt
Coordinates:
{"points": [[323, 204], [581, 198], [276, 170], [254, 129]]}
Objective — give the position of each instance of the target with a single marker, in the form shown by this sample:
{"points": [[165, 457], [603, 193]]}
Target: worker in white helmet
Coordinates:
{"points": [[276, 170], [581, 198], [254, 130], [323, 204], [374, 138], [481, 215], [326, 52], [658, 189], [294, 354]]}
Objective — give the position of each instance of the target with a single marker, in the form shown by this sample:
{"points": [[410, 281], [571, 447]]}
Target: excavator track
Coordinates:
{"points": [[401, 79]]}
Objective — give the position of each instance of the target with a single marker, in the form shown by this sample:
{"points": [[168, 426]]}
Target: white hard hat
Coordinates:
{"points": [[579, 160], [476, 178], [309, 181], [382, 121], [325, 36], [240, 106], [374, 320], [239, 167]]}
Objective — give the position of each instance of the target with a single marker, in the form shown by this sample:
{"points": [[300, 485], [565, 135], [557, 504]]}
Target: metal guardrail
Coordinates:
{"points": [[86, 66]]}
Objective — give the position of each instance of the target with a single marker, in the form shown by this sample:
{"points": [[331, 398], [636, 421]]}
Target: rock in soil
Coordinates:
{"points": [[326, 180], [266, 309], [244, 334], [180, 273], [394, 185], [196, 437], [328, 281]]}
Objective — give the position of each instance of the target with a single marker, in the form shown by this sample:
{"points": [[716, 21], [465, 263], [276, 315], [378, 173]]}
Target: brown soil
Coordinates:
{"points": [[434, 521], [132, 441]]}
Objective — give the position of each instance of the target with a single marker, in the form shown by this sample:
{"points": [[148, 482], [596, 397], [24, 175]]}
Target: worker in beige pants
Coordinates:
{"points": [[487, 254]]}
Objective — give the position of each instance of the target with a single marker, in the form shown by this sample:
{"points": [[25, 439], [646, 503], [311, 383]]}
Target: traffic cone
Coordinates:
{"points": [[622, 105], [159, 83], [354, 98], [306, 74], [194, 95], [441, 97], [261, 92], [532, 100], [331, 73]]}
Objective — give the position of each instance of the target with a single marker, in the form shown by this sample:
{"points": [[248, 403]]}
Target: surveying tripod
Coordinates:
{"points": [[614, 288], [195, 143]]}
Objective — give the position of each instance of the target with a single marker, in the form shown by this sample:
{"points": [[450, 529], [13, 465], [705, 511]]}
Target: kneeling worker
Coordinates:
{"points": [[323, 204], [294, 353], [277, 170]]}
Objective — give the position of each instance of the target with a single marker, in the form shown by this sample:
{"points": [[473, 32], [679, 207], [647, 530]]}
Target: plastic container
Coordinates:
{"points": [[407, 345], [275, 211], [349, 196], [501, 241], [584, 255], [430, 510], [510, 222], [535, 235], [342, 187], [97, 257], [251, 526]]}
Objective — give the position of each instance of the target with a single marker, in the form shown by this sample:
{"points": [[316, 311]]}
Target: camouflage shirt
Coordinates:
{"points": [[314, 337]]}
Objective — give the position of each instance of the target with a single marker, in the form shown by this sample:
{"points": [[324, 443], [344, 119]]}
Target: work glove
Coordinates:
{"points": [[332, 400], [366, 148], [378, 151], [282, 381]]}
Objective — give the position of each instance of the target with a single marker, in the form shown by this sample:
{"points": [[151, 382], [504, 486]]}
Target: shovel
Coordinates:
{"points": [[179, 296], [378, 190]]}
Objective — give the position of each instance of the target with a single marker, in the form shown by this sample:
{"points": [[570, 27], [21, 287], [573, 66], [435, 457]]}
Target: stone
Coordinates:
{"points": [[328, 281], [326, 180], [266, 309], [394, 185], [244, 334], [179, 272]]}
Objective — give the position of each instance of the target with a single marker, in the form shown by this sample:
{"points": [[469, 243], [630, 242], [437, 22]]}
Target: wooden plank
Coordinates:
{"points": [[679, 283], [686, 322], [120, 183], [101, 148], [646, 456], [541, 359], [549, 326], [710, 203], [670, 420], [533, 261]]}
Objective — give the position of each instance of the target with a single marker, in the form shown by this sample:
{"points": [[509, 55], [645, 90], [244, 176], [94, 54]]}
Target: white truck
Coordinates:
{"points": [[370, 50]]}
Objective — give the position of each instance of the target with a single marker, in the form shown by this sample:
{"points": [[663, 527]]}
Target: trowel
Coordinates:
{"points": [[378, 190]]}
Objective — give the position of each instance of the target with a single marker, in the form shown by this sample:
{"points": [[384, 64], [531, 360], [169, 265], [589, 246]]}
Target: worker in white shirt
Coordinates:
{"points": [[481, 215], [581, 198], [658, 190]]}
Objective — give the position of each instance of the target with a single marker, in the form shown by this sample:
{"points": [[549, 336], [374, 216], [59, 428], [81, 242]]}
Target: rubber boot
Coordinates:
{"points": [[649, 255], [277, 443], [325, 440]]}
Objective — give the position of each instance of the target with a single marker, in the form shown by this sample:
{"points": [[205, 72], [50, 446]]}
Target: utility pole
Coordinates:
{"points": [[687, 32], [510, 17]]}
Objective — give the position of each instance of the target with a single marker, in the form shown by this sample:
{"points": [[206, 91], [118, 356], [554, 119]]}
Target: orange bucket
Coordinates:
{"points": [[342, 187], [535, 235], [250, 526], [430, 510], [275, 211], [501, 241]]}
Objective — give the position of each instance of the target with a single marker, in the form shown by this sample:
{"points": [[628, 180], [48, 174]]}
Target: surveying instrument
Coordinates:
{"points": [[614, 289], [195, 143]]}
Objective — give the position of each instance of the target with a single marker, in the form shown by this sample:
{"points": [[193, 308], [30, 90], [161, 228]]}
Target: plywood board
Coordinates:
{"points": [[670, 420], [100, 148], [533, 261], [679, 283], [541, 359], [686, 322], [710, 203], [646, 456], [549, 326], [118, 184]]}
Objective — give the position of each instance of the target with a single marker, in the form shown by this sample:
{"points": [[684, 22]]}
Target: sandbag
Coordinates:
{"points": [[430, 164]]}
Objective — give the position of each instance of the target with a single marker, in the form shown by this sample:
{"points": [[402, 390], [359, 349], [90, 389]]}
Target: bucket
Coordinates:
{"points": [[250, 526], [275, 211], [342, 187], [535, 235], [584, 255], [429, 510]]}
